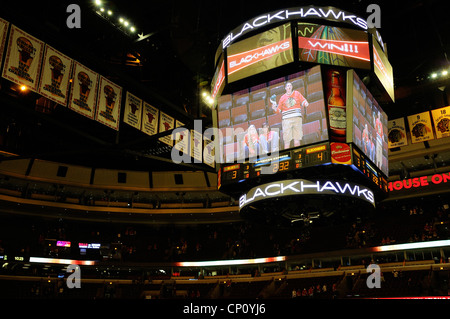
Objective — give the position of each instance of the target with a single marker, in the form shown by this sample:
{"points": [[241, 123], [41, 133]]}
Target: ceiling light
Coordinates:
{"points": [[23, 88], [109, 12], [445, 72], [132, 29], [434, 75], [98, 2], [125, 23], [102, 9], [121, 20]]}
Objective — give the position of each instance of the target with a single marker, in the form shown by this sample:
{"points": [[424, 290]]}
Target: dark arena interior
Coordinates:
{"points": [[224, 152]]}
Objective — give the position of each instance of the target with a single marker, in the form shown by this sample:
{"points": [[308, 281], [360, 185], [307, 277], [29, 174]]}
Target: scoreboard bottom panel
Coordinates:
{"points": [[301, 158]]}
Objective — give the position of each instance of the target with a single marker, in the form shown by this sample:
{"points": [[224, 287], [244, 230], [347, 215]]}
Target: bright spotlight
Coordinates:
{"points": [[132, 29], [434, 75], [121, 20], [125, 23], [445, 72], [23, 88], [109, 12], [98, 2]]}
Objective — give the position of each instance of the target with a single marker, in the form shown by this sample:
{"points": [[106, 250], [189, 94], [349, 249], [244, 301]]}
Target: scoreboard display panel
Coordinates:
{"points": [[374, 175], [284, 162]]}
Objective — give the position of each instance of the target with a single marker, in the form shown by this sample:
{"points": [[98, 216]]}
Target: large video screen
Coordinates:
{"points": [[259, 53], [370, 125], [333, 46], [271, 117]]}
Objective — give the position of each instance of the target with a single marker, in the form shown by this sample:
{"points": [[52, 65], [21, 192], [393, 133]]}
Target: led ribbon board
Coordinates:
{"points": [[295, 187], [310, 12]]}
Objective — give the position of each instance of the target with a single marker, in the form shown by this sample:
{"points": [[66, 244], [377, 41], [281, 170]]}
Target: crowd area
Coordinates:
{"points": [[36, 236]]}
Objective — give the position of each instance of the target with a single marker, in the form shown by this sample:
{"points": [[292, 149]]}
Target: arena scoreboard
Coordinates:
{"points": [[299, 74]]}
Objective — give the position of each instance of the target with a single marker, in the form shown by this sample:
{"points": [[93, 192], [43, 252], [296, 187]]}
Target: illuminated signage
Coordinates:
{"points": [[352, 49], [301, 186], [417, 182], [259, 53], [45, 260], [218, 80], [61, 243], [383, 69], [333, 45], [89, 246], [230, 262], [310, 12]]}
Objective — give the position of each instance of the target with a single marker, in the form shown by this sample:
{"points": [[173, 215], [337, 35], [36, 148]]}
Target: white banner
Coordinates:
{"points": [[441, 121], [133, 111], [83, 93], [108, 103], [209, 153], [23, 59], [55, 76], [166, 123], [196, 146], [150, 119], [181, 138]]}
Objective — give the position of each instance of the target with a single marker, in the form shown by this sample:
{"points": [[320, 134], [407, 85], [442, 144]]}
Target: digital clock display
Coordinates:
{"points": [[369, 170]]}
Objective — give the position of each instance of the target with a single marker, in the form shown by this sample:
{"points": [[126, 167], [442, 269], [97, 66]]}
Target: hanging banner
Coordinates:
{"points": [[55, 76], [420, 127], [209, 153], [3, 32], [181, 138], [133, 111], [441, 119], [196, 146], [83, 93], [397, 133], [23, 59], [108, 103], [150, 117], [166, 123]]}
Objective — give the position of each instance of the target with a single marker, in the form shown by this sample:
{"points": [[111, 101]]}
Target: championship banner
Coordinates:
{"points": [[23, 59], [420, 127], [196, 146], [209, 153], [441, 119], [166, 123], [83, 93], [108, 103], [3, 32], [55, 76], [133, 111], [181, 138], [397, 133], [150, 117]]}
